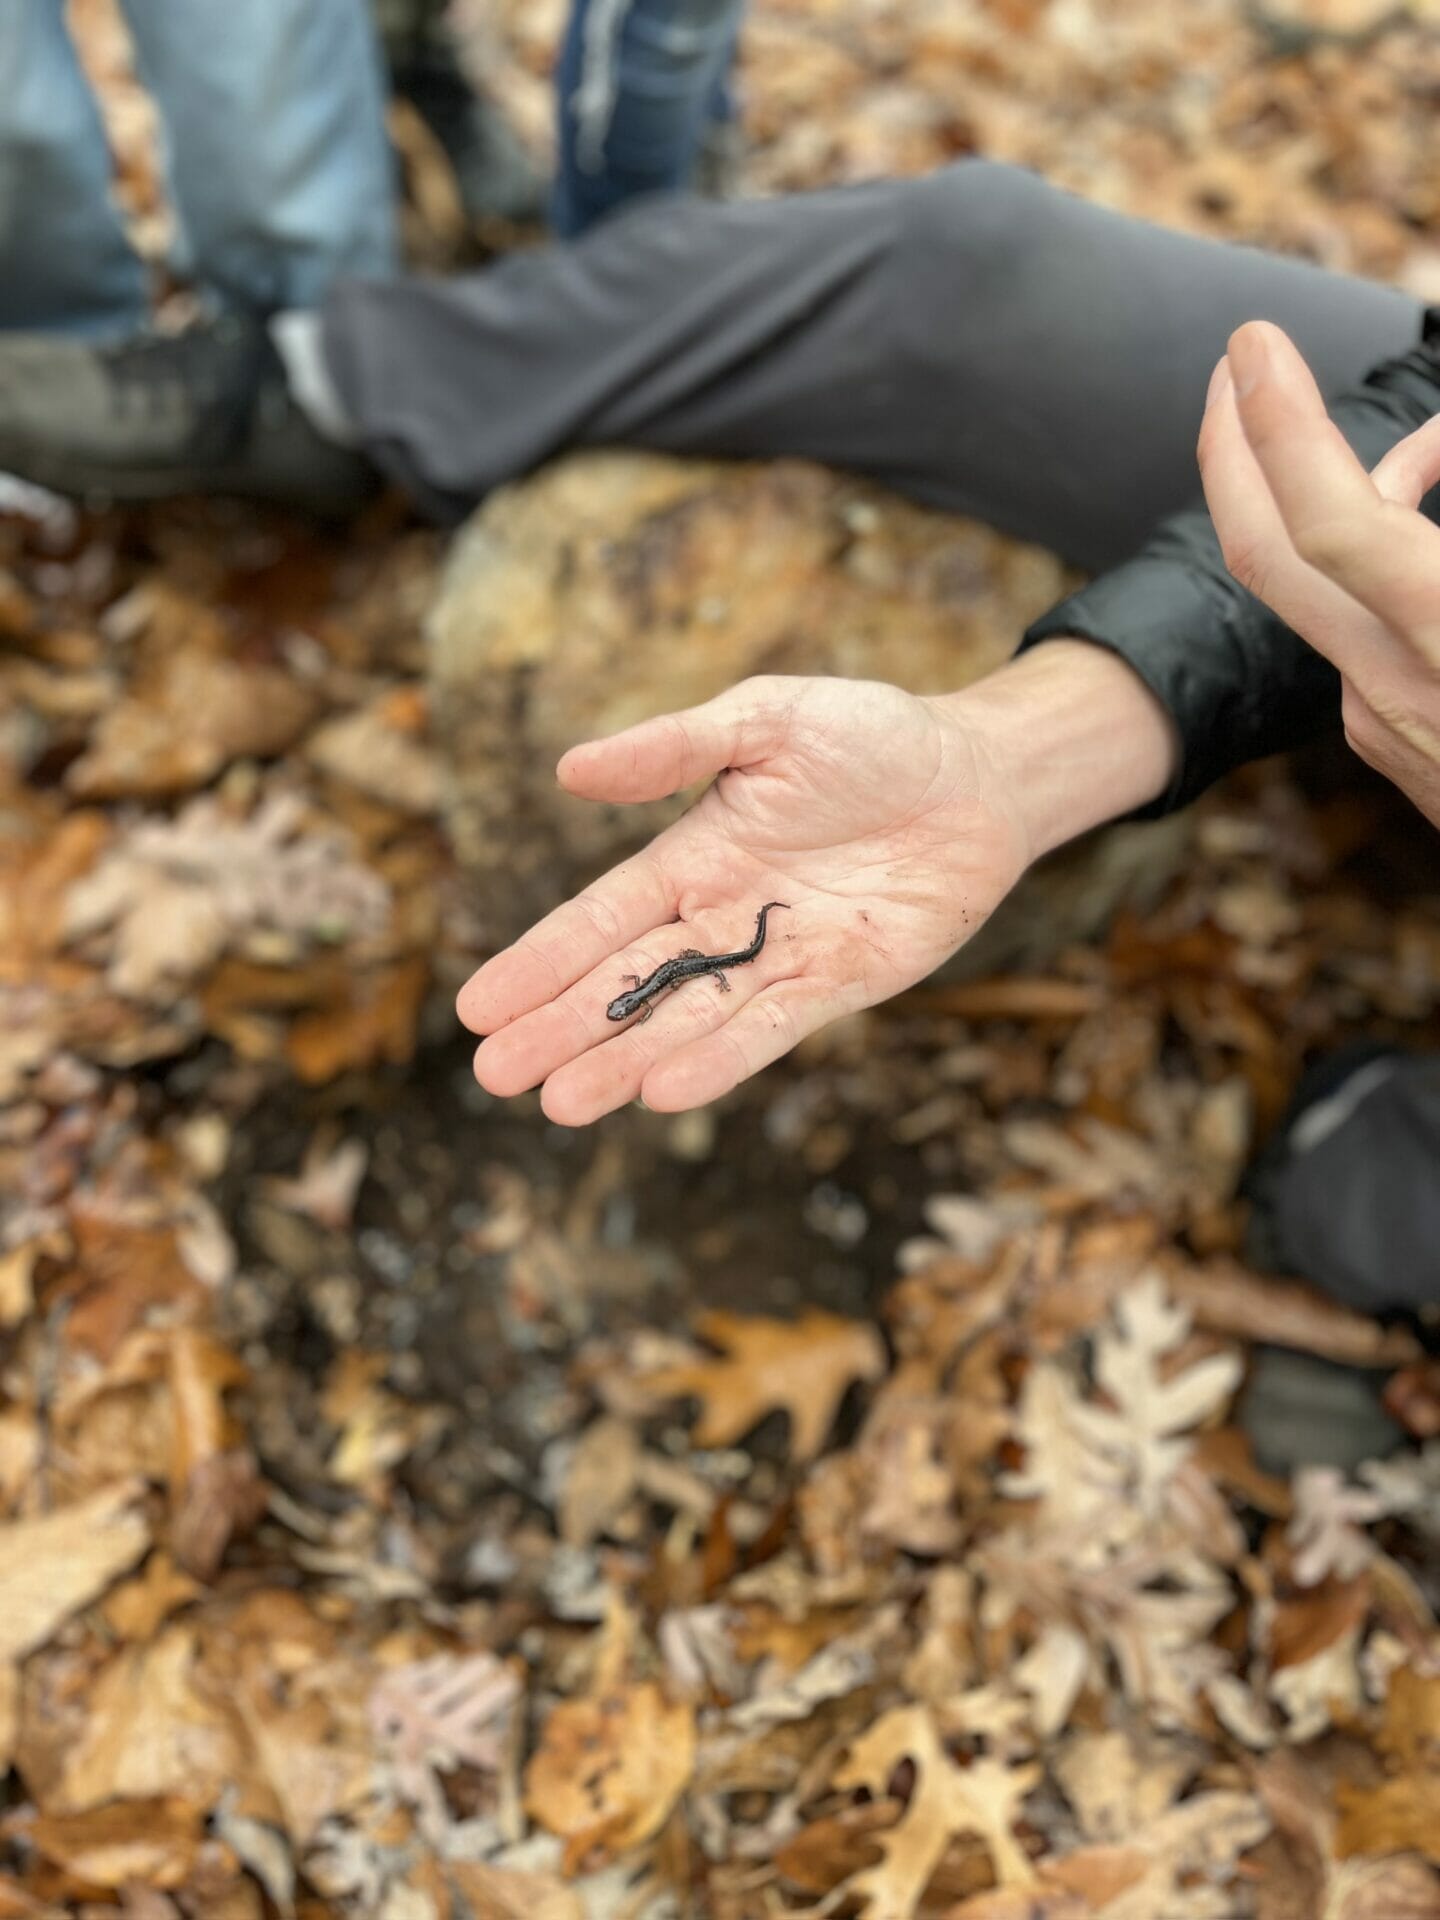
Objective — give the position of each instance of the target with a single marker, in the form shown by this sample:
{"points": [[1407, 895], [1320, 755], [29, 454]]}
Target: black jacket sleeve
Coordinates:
{"points": [[1238, 682]]}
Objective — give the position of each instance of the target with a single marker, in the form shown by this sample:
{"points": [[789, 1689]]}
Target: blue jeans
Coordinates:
{"points": [[638, 83], [278, 162]]}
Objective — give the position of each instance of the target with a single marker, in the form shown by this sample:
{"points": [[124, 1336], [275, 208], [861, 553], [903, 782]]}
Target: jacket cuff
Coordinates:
{"points": [[1192, 635]]}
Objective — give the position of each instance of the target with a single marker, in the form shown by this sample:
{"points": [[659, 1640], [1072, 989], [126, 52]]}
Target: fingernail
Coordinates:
{"points": [[1217, 381], [1249, 360]]}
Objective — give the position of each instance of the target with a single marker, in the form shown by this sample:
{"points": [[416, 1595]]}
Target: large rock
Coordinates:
{"points": [[612, 586]]}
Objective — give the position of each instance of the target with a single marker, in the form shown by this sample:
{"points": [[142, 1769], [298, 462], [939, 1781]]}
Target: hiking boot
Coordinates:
{"points": [[154, 415], [496, 178]]}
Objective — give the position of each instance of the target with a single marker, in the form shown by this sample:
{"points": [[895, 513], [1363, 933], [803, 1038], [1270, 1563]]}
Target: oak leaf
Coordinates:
{"points": [[435, 1715], [804, 1367], [947, 1801]]}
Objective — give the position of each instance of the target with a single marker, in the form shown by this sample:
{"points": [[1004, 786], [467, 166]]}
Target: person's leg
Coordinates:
{"points": [[279, 163], [65, 264], [978, 339], [495, 176], [636, 87]]}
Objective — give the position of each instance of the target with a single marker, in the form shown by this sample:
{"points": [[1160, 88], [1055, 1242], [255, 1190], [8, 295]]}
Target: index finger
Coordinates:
{"points": [[1385, 556], [622, 906]]}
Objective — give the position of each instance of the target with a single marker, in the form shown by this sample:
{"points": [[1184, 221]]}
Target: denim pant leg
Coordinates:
{"points": [[65, 263], [637, 84], [279, 164]]}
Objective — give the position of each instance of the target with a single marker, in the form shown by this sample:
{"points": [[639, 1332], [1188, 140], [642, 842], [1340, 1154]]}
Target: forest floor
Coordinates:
{"points": [[832, 1503]]}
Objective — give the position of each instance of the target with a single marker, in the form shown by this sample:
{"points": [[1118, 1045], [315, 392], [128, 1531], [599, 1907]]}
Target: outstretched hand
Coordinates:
{"points": [[876, 816], [1343, 556]]}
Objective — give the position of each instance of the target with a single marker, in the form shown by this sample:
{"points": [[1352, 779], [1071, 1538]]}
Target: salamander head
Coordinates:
{"points": [[620, 1009]]}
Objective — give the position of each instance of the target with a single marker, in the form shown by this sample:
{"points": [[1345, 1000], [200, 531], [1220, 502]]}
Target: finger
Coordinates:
{"points": [[611, 1074], [530, 1049], [618, 909], [1253, 539], [762, 1032], [743, 725], [1410, 469], [1337, 520]]}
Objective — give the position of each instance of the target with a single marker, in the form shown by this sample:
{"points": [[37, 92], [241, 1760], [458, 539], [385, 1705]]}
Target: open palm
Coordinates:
{"points": [[873, 814]]}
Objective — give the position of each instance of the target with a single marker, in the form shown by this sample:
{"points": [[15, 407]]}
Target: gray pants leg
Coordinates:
{"points": [[977, 339]]}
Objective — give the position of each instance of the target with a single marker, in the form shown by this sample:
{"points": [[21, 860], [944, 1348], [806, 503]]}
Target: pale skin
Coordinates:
{"points": [[1341, 555], [892, 825]]}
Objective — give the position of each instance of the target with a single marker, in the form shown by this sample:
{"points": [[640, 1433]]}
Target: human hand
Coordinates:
{"points": [[1342, 556], [890, 825]]}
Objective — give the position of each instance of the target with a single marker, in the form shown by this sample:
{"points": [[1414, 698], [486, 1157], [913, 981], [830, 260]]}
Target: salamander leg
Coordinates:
{"points": [[645, 1013], [632, 979], [721, 982], [690, 953]]}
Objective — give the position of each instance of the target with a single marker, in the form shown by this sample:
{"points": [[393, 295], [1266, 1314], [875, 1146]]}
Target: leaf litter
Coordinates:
{"points": [[402, 1517]]}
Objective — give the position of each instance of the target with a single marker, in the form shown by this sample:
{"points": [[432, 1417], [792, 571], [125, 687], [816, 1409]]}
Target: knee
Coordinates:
{"points": [[978, 212]]}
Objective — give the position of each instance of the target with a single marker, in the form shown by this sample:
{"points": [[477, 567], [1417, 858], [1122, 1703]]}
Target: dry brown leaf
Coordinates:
{"points": [[137, 1609], [9, 1712], [328, 1183], [804, 1367], [17, 1278], [377, 1428], [1399, 1816], [52, 1567], [150, 1733], [381, 751], [946, 1801], [194, 715], [1299, 1796], [601, 1478], [1230, 1300], [609, 1770], [505, 1893], [371, 1022], [154, 1842]]}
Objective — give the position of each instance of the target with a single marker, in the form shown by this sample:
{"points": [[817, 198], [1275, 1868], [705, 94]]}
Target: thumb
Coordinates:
{"points": [[1411, 469], [740, 727]]}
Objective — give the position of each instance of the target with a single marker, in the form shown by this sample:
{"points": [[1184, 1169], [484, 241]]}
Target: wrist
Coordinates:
{"points": [[1073, 736]]}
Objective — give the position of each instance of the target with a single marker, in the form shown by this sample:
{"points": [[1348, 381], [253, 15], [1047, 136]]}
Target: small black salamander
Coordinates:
{"points": [[688, 965]]}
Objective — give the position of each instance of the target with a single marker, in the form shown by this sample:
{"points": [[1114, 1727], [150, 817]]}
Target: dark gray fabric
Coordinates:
{"points": [[1238, 682], [977, 339], [1351, 1197]]}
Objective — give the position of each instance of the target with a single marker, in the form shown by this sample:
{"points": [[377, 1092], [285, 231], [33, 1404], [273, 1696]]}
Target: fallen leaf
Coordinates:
{"points": [[601, 1478], [52, 1567], [388, 761], [946, 1801], [435, 1715], [804, 1367], [1326, 1534], [264, 1852], [154, 1842], [168, 897], [150, 1733], [326, 1187], [1399, 1816], [372, 1023], [609, 1770], [503, 1893], [192, 717]]}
